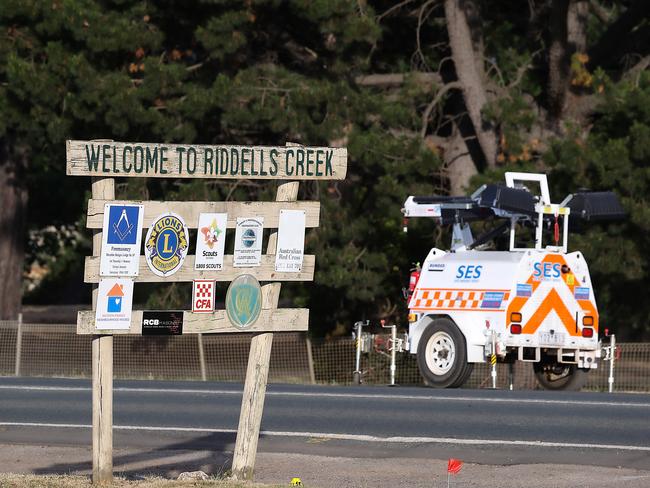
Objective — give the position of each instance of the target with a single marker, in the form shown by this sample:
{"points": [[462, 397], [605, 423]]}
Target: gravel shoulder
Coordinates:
{"points": [[277, 469], [76, 481]]}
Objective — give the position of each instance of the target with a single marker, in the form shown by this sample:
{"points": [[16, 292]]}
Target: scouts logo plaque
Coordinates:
{"points": [[166, 244], [244, 301]]}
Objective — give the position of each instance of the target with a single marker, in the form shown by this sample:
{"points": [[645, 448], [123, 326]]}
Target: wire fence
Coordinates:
{"points": [[56, 350]]}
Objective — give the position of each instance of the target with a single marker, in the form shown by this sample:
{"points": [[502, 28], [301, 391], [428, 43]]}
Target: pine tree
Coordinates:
{"points": [[429, 97]]}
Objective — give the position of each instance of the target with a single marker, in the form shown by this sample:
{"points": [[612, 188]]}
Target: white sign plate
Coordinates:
{"points": [[203, 292], [114, 303], [291, 241], [121, 237], [248, 242], [210, 241]]}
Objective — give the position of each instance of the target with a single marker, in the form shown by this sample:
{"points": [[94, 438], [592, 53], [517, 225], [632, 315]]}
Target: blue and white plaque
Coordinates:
{"points": [[122, 235]]}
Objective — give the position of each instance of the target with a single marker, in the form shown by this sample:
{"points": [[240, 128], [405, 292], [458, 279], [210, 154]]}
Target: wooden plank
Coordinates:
{"points": [[158, 160], [250, 417], [187, 273], [190, 211], [102, 370], [102, 350], [277, 320], [257, 372]]}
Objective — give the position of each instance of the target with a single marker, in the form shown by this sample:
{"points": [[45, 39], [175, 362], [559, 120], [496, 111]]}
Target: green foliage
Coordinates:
{"points": [[268, 72], [615, 156], [259, 72], [514, 117], [54, 264]]}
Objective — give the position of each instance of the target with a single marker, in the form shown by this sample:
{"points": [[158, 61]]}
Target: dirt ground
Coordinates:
{"points": [[319, 471], [75, 481]]}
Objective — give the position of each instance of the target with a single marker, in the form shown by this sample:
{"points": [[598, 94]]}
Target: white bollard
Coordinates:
{"points": [[612, 357], [393, 354]]}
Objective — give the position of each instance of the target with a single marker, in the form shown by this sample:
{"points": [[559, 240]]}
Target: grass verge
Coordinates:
{"points": [[56, 481]]}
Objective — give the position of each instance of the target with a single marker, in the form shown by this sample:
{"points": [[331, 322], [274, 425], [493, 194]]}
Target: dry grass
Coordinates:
{"points": [[31, 481]]}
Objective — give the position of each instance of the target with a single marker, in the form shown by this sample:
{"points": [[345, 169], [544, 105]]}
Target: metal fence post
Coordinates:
{"points": [[19, 343], [199, 338], [393, 354], [310, 359]]}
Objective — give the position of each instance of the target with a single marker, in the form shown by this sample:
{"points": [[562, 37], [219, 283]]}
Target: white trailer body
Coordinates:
{"points": [[549, 295], [533, 304]]}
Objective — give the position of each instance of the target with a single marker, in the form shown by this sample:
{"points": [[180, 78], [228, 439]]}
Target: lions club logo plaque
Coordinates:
{"points": [[166, 244]]}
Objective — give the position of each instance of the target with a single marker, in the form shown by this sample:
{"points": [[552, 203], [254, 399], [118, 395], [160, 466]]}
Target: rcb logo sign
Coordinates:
{"points": [[166, 244]]}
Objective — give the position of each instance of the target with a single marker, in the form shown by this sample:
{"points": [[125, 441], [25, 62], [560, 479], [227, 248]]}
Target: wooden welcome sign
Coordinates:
{"points": [[191, 161], [117, 263]]}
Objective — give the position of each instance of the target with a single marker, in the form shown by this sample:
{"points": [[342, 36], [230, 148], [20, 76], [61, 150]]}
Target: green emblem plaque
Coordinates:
{"points": [[244, 301]]}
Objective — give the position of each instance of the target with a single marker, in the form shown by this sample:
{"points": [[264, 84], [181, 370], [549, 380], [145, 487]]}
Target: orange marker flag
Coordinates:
{"points": [[454, 465]]}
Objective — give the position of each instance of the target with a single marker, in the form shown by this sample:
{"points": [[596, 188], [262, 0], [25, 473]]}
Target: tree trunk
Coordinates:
{"points": [[470, 73], [459, 164], [558, 58], [13, 206], [577, 18], [568, 31]]}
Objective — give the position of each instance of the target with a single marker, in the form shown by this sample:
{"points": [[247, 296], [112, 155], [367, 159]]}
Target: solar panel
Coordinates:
{"points": [[596, 206]]}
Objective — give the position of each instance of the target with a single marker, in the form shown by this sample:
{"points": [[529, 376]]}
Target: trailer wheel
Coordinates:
{"points": [[556, 376], [442, 355], [462, 379]]}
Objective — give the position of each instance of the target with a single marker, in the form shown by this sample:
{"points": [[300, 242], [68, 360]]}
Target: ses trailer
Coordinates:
{"points": [[534, 302]]}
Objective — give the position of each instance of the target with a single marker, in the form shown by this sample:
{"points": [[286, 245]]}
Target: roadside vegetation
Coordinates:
{"points": [[56, 481]]}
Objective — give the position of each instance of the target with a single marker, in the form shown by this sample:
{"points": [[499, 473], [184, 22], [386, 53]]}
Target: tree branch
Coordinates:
{"points": [[599, 11], [637, 69], [422, 17], [393, 80], [194, 67], [393, 9], [521, 71], [436, 100]]}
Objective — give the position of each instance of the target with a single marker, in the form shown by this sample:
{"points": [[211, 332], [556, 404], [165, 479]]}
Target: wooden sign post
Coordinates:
{"points": [[105, 160]]}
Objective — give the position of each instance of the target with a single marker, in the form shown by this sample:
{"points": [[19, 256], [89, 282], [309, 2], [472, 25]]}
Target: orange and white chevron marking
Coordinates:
{"points": [[552, 301]]}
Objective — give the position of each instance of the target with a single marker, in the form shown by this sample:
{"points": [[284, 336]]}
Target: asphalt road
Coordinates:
{"points": [[481, 426]]}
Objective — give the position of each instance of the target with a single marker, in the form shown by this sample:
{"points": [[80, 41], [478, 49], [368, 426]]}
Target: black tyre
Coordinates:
{"points": [[556, 376], [462, 379], [442, 355]]}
